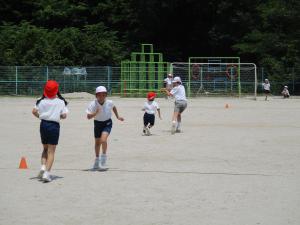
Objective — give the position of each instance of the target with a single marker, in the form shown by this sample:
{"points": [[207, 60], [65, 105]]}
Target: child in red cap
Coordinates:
{"points": [[150, 108], [50, 108]]}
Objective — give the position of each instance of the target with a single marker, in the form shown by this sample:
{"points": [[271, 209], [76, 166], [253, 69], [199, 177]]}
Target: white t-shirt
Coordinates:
{"points": [[105, 109], [168, 81], [151, 107], [267, 86], [178, 92], [51, 109]]}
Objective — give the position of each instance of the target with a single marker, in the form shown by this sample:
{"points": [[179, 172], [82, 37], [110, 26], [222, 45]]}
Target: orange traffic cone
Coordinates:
{"points": [[226, 106], [23, 164]]}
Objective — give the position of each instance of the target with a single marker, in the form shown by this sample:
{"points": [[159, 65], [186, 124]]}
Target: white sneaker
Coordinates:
{"points": [[103, 166], [46, 177], [173, 128], [96, 164], [40, 174], [148, 133]]}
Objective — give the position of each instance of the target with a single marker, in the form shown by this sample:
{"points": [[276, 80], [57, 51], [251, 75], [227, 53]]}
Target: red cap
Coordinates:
{"points": [[51, 89], [151, 95]]}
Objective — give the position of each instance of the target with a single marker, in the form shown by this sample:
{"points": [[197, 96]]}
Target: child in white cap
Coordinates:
{"points": [[285, 92], [100, 109], [178, 92]]}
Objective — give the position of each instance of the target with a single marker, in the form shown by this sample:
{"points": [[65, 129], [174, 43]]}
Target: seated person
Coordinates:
{"points": [[285, 92]]}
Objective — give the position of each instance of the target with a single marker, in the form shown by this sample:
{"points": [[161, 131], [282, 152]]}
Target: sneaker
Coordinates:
{"points": [[147, 131], [173, 128], [177, 131], [40, 175], [46, 177], [96, 164], [103, 166]]}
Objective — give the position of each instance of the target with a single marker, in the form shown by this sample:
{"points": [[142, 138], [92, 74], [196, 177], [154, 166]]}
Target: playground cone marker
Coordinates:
{"points": [[23, 164], [226, 106]]}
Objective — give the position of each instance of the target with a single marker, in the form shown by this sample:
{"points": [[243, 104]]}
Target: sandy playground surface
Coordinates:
{"points": [[235, 166]]}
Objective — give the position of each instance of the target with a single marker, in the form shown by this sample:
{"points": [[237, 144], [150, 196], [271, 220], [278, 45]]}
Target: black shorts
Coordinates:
{"points": [[102, 126], [149, 118], [49, 131], [267, 91]]}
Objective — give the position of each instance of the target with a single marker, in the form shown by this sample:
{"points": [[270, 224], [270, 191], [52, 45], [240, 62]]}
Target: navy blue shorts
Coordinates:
{"points": [[102, 126], [149, 118], [49, 131]]}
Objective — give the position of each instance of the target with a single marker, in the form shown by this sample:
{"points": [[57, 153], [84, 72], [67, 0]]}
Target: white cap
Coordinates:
{"points": [[176, 80], [286, 86], [101, 89], [170, 75]]}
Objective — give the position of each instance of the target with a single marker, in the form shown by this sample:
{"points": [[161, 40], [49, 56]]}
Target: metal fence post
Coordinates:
{"points": [[109, 78], [16, 80]]}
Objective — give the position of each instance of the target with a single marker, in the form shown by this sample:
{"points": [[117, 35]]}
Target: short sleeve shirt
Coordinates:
{"points": [[104, 110], [179, 93], [151, 107], [51, 109]]}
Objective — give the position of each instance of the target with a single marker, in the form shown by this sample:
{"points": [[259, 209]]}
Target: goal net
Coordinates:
{"points": [[232, 79]]}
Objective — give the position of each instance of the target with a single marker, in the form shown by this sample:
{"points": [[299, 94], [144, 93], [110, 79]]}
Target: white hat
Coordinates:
{"points": [[101, 89], [286, 86], [176, 80], [170, 75]]}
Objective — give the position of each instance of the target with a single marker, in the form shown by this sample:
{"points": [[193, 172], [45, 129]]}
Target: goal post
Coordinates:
{"points": [[214, 78]]}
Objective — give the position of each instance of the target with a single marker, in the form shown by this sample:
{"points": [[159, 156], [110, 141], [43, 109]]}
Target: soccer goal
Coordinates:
{"points": [[217, 78]]}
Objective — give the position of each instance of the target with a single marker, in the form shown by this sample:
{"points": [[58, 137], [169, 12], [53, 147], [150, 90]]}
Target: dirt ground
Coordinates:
{"points": [[230, 166]]}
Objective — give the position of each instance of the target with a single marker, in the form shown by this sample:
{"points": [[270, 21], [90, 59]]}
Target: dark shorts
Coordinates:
{"points": [[102, 126], [49, 131], [267, 91], [149, 118]]}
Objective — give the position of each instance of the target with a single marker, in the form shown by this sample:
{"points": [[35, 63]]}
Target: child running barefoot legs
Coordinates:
{"points": [[100, 109], [50, 108]]}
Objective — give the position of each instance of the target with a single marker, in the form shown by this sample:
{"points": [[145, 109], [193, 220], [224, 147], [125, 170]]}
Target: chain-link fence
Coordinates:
{"points": [[29, 80]]}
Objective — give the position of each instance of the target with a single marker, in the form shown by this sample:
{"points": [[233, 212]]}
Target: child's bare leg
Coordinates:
{"points": [[103, 141], [50, 158], [175, 116], [44, 154], [97, 147]]}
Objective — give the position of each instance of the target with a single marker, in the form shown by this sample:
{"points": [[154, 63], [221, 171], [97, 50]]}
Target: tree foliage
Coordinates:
{"points": [[90, 32]]}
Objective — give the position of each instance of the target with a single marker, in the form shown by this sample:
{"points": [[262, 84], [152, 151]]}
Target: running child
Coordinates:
{"points": [[50, 108], [150, 108], [178, 92], [100, 109]]}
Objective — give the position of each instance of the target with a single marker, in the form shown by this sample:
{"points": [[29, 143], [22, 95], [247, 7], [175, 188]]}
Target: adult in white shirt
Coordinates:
{"points": [[178, 92], [100, 109], [49, 109], [267, 88]]}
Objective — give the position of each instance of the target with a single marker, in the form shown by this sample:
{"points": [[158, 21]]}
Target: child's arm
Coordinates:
{"points": [[117, 114], [35, 112], [92, 115], [159, 115], [63, 116]]}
